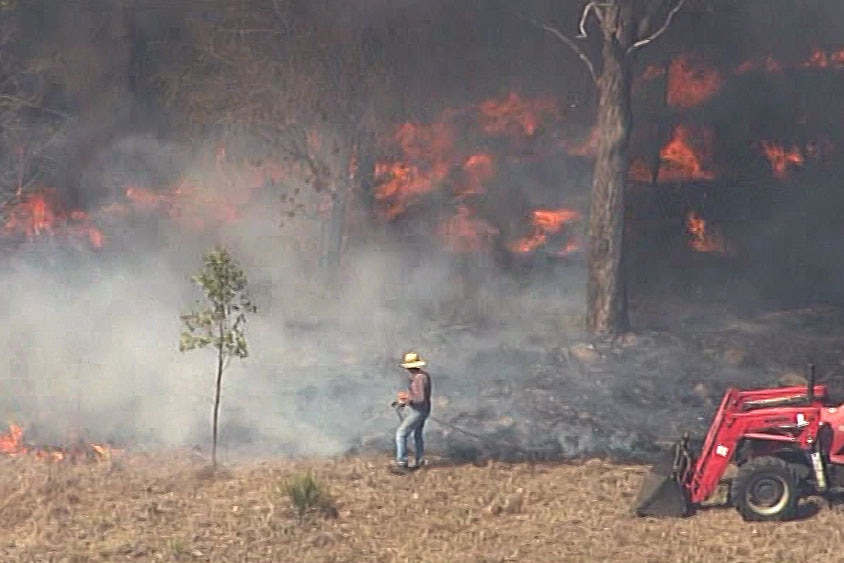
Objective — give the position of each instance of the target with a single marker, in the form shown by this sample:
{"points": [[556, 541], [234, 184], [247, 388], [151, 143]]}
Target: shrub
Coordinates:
{"points": [[308, 495]]}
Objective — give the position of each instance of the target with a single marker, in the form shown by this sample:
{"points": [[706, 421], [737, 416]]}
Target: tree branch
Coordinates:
{"points": [[662, 29], [563, 38], [16, 100], [581, 26]]}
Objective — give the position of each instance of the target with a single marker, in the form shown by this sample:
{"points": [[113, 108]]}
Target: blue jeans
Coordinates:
{"points": [[413, 423]]}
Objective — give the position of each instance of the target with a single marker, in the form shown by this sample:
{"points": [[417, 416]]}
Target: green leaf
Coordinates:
{"points": [[218, 320]]}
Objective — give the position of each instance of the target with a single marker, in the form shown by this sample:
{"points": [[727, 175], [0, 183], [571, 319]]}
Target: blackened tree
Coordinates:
{"points": [[625, 26]]}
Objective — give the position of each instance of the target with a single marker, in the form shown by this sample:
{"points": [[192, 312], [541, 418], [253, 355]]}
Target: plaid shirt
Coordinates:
{"points": [[420, 391]]}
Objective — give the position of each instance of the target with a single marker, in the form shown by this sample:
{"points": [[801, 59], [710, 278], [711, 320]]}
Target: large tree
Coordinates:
{"points": [[624, 26]]}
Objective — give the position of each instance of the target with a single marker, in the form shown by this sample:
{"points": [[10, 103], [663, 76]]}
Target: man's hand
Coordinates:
{"points": [[402, 397]]}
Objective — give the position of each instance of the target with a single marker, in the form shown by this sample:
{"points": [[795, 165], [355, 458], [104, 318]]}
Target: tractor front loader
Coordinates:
{"points": [[786, 443]]}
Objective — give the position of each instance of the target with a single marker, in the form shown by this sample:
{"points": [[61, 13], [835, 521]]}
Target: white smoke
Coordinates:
{"points": [[92, 336]]}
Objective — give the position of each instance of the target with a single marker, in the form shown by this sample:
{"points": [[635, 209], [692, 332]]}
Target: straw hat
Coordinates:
{"points": [[412, 360]]}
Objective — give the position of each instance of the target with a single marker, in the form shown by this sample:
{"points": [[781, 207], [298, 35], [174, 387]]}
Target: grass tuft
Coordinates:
{"points": [[308, 495]]}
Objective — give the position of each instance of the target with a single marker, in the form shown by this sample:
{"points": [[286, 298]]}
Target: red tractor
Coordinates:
{"points": [[787, 443]]}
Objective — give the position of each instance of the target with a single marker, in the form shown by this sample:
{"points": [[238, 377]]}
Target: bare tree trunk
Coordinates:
{"points": [[335, 239], [607, 312], [217, 395], [336, 230], [626, 26]]}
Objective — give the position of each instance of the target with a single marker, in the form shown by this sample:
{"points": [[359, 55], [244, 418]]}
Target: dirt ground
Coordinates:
{"points": [[142, 508]]}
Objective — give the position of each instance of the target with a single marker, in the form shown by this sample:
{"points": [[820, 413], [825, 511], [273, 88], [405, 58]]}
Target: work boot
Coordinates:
{"points": [[399, 469], [420, 464]]}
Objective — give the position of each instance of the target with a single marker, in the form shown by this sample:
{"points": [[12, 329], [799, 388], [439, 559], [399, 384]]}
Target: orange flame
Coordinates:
{"points": [[691, 82], [39, 213], [428, 152], [703, 238], [782, 159], [515, 115], [12, 445], [547, 222], [785, 159], [686, 155]]}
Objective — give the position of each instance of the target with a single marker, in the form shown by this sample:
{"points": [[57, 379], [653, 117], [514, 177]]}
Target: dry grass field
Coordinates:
{"points": [[154, 508]]}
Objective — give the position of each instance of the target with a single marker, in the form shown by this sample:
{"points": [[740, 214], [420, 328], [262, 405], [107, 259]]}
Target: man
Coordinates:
{"points": [[416, 405]]}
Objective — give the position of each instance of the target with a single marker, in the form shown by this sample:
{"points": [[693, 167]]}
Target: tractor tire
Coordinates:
{"points": [[766, 489]]}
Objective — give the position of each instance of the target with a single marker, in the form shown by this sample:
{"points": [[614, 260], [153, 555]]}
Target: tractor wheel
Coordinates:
{"points": [[766, 489]]}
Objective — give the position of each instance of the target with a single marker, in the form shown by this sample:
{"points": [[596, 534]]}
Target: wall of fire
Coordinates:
{"points": [[732, 156]]}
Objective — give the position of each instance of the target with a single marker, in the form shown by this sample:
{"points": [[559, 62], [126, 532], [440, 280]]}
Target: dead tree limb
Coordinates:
{"points": [[678, 5], [581, 26], [564, 39]]}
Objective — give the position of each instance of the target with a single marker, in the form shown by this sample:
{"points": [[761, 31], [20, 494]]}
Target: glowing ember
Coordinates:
{"points": [[818, 58], [701, 237], [782, 159], [691, 82], [515, 115], [824, 59], [686, 156], [545, 223], [766, 64]]}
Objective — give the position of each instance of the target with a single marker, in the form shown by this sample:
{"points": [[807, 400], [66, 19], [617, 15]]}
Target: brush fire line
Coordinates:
{"points": [[12, 445], [787, 443]]}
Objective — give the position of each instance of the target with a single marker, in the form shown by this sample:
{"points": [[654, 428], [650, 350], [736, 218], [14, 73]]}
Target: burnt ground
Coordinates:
{"points": [[557, 396]]}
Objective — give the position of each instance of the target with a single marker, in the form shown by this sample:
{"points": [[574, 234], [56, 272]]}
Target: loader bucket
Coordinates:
{"points": [[663, 491]]}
